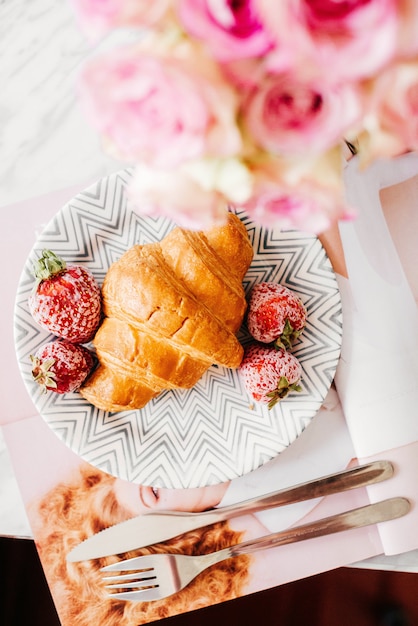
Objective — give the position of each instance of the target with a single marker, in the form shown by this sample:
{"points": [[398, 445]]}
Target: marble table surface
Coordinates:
{"points": [[46, 145], [45, 141]]}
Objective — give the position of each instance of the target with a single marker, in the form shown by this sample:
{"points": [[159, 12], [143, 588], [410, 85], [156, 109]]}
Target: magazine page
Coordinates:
{"points": [[68, 500]]}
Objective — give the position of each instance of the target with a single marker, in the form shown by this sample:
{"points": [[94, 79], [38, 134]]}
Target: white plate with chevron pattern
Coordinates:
{"points": [[211, 433]]}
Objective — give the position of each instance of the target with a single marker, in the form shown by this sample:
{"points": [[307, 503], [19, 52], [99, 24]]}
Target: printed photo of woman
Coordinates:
{"points": [[75, 510]]}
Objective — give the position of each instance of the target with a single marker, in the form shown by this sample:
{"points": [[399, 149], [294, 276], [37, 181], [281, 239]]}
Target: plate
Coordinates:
{"points": [[211, 433]]}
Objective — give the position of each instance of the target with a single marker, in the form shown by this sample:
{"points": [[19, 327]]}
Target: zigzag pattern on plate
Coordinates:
{"points": [[211, 433]]}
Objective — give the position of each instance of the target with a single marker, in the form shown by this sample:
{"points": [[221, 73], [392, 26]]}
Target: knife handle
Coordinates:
{"points": [[157, 526]]}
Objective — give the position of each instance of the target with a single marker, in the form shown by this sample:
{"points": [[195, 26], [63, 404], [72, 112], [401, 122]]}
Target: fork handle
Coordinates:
{"points": [[356, 518]]}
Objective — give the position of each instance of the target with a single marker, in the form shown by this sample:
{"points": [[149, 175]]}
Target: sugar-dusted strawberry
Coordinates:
{"points": [[61, 366], [66, 300], [270, 374], [275, 314]]}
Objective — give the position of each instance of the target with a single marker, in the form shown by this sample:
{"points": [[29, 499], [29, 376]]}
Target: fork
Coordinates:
{"points": [[156, 576]]}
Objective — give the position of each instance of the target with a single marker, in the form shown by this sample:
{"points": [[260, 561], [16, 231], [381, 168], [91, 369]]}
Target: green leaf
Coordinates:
{"points": [[47, 265]]}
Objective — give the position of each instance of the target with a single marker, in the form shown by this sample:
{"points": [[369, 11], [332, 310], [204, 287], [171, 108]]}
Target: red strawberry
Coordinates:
{"points": [[66, 300], [61, 366], [269, 375], [275, 314]]}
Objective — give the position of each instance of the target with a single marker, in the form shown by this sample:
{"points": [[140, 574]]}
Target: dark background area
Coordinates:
{"points": [[342, 597]]}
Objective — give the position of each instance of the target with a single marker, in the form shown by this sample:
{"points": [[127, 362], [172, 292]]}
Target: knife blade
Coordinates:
{"points": [[155, 527]]}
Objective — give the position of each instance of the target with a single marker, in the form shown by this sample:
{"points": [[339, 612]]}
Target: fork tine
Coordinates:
{"points": [[142, 583], [143, 595], [135, 584], [149, 577], [138, 563], [133, 576]]}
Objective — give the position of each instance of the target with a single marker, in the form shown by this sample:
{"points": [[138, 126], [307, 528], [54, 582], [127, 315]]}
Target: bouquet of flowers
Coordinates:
{"points": [[251, 103]]}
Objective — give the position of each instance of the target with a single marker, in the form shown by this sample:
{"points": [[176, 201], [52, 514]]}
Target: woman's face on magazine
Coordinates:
{"points": [[138, 499]]}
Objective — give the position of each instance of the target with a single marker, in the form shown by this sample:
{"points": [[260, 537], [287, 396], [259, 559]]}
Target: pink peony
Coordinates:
{"points": [[391, 126], [398, 113], [308, 206], [281, 209], [305, 196], [98, 17], [342, 40], [289, 116], [231, 30], [159, 108], [175, 195], [408, 32]]}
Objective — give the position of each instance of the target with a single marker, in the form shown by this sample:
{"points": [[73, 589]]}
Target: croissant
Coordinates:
{"points": [[172, 309]]}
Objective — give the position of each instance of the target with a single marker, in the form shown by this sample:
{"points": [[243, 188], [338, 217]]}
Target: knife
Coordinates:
{"points": [[152, 527]]}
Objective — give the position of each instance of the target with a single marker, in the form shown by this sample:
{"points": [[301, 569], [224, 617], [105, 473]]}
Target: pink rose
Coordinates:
{"points": [[408, 33], [305, 208], [343, 40], [195, 195], [232, 30], [398, 112], [391, 126], [306, 204], [159, 108], [97, 17], [177, 196], [289, 116], [308, 197]]}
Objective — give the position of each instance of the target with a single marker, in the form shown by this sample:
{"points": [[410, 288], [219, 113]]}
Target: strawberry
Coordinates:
{"points": [[66, 300], [269, 374], [61, 366], [275, 314]]}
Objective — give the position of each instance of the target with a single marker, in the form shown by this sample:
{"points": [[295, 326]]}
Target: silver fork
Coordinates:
{"points": [[156, 576]]}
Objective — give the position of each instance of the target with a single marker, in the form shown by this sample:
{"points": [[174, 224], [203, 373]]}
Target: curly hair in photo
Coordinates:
{"points": [[74, 510]]}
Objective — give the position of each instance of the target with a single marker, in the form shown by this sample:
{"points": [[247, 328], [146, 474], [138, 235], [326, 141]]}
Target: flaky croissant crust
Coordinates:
{"points": [[172, 309]]}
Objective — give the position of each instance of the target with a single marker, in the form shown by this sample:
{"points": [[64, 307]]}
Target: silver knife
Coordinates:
{"points": [[151, 528]]}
